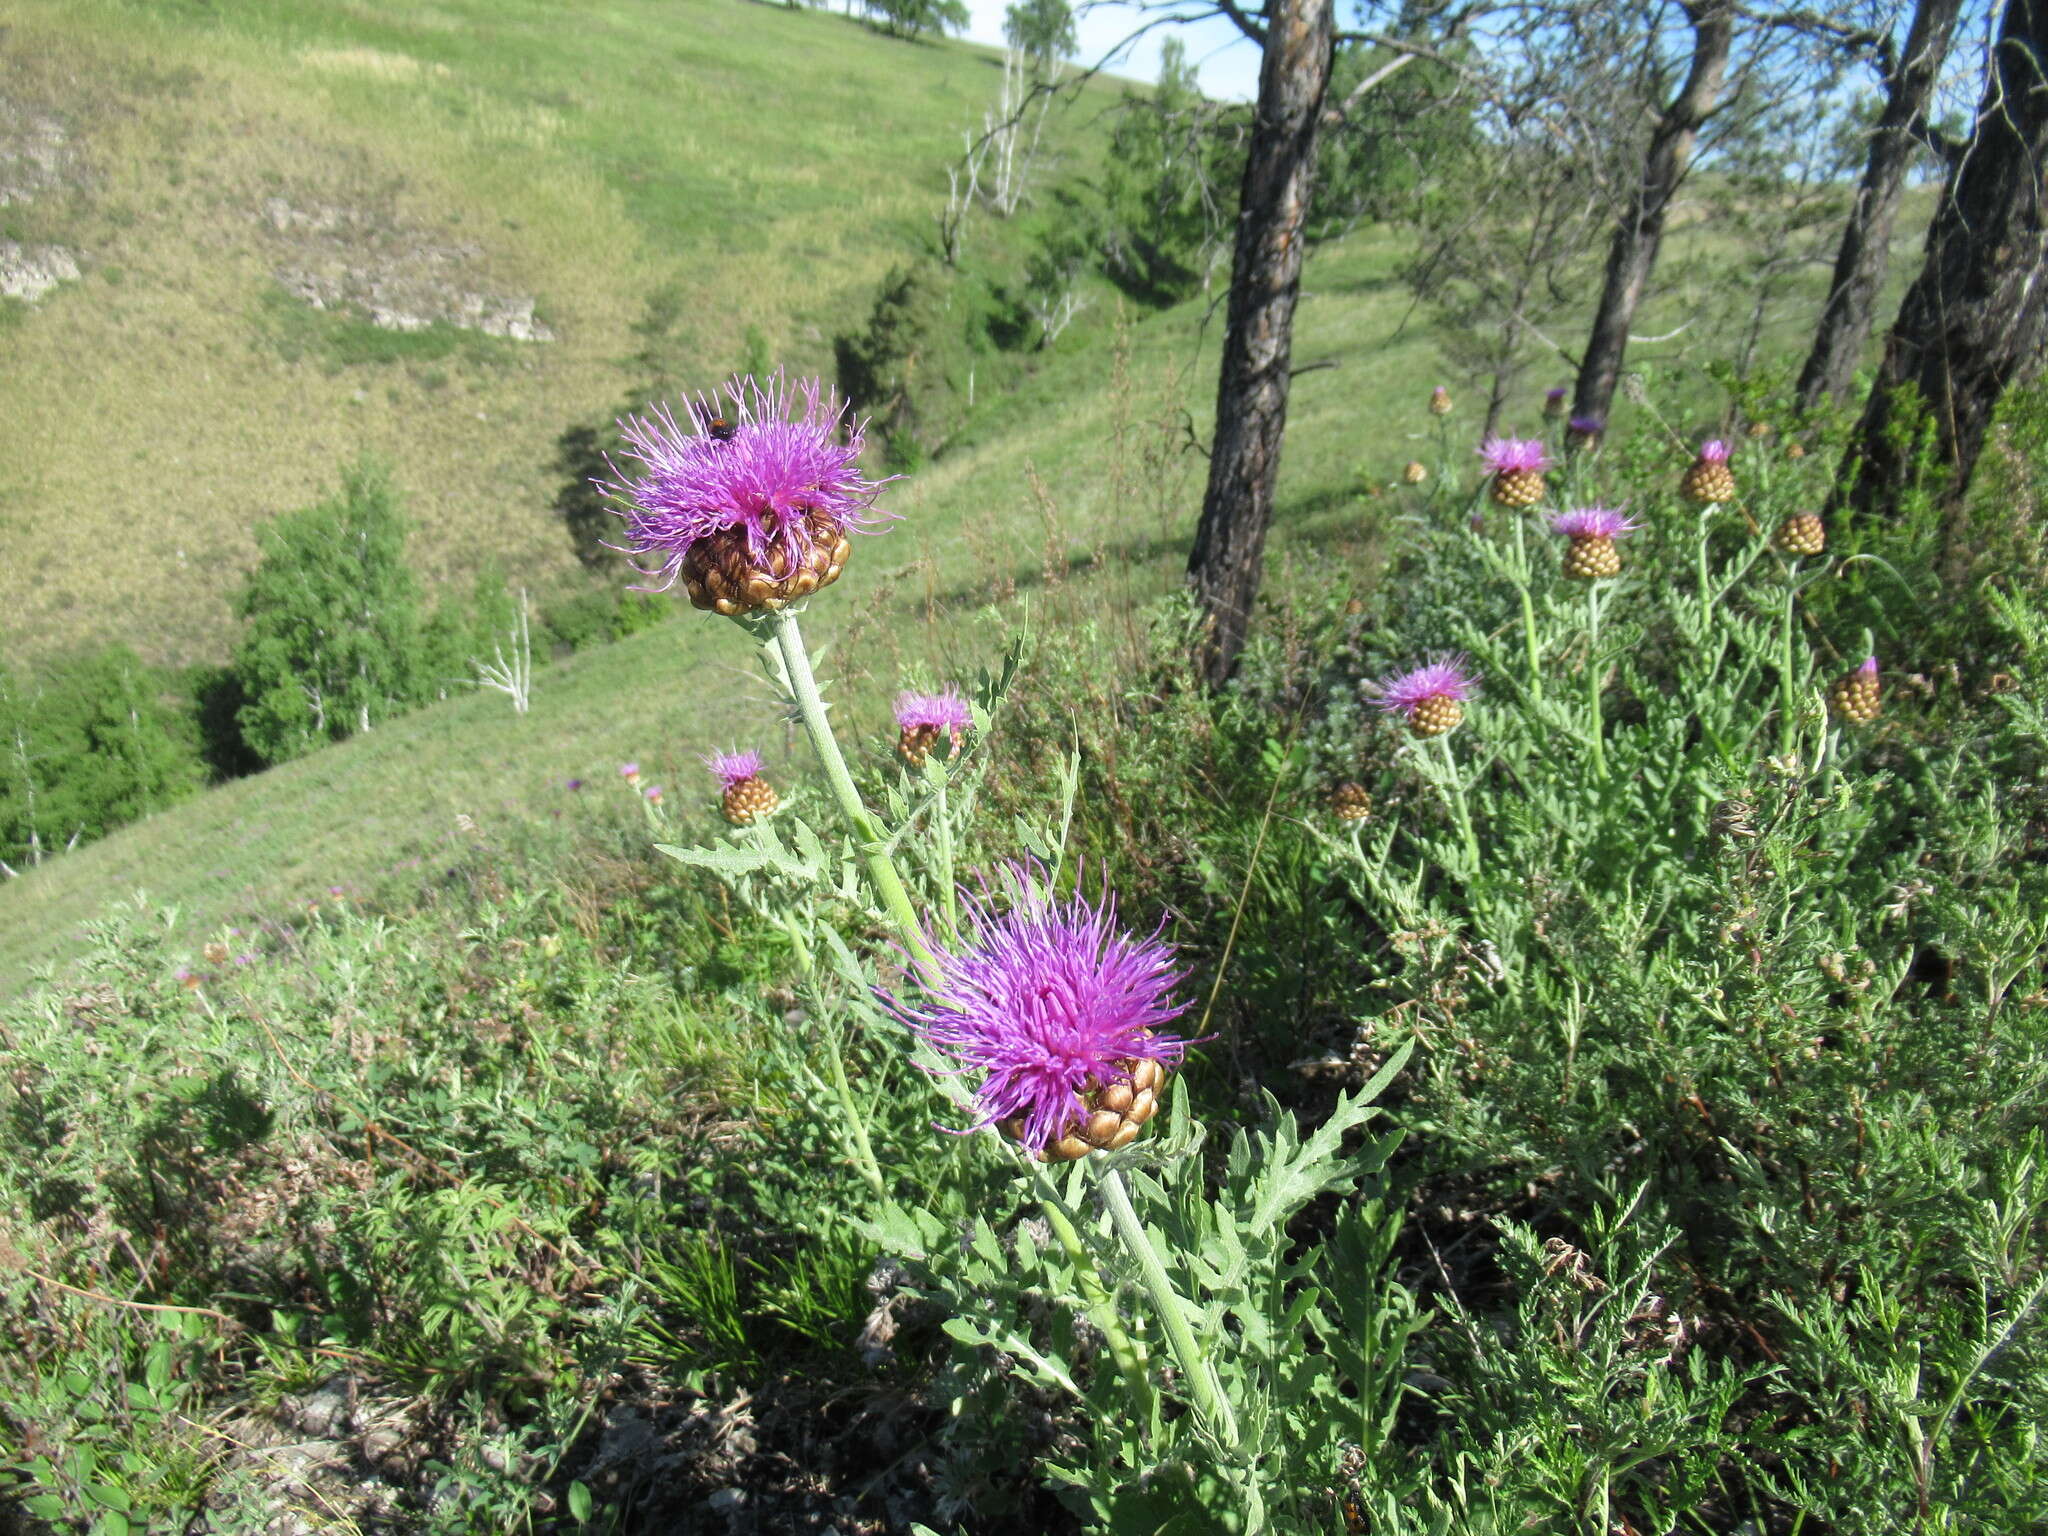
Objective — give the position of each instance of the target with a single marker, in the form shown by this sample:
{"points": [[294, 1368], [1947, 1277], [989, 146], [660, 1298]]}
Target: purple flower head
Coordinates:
{"points": [[573, 784], [1442, 677], [1869, 667], [1593, 523], [733, 767], [764, 460], [1509, 455], [653, 794], [1713, 451], [945, 711], [1587, 426], [1046, 999], [1555, 394], [629, 770]]}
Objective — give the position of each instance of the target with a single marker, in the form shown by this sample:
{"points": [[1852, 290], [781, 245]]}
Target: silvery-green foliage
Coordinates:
{"points": [[1307, 1334]]}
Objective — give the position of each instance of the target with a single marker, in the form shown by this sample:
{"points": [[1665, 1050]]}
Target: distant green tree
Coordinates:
{"points": [[331, 645], [1041, 30], [90, 744], [910, 18], [1171, 187]]}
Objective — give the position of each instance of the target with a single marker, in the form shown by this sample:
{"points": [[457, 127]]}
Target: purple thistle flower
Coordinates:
{"points": [[1046, 999], [1593, 523], [1713, 451], [1508, 455], [733, 767], [1442, 677], [787, 451], [1869, 667], [653, 794], [1555, 394], [1586, 426], [573, 784], [629, 771], [944, 711]]}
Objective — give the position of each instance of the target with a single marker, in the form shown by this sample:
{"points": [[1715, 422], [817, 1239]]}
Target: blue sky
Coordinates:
{"points": [[1227, 61]]}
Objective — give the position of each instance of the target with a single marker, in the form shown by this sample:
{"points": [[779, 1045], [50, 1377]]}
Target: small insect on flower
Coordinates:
{"points": [[753, 508], [922, 719], [1517, 465], [1708, 482], [1591, 555], [1061, 1012], [747, 796], [1432, 696]]}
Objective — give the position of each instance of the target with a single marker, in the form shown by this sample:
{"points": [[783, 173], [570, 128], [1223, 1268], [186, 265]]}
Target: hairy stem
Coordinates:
{"points": [[1171, 1311], [1598, 735], [1096, 1300], [860, 821]]}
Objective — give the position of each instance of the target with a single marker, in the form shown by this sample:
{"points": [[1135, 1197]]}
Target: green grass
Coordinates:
{"points": [[166, 415], [589, 160]]}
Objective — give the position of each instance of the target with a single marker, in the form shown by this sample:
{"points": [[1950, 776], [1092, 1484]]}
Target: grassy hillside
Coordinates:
{"points": [[657, 179], [638, 177], [1100, 431]]}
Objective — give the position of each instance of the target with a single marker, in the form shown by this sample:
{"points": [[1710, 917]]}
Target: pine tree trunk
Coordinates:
{"points": [[1866, 238], [1265, 280], [1633, 255], [1976, 318]]}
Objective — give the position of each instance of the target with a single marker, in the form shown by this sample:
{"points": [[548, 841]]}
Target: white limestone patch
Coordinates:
{"points": [[36, 154], [340, 258], [30, 271]]}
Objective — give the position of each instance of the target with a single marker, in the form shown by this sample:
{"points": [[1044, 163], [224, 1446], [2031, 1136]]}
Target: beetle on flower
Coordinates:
{"points": [[751, 506]]}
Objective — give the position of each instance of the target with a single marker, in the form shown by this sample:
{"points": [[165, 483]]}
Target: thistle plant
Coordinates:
{"points": [[1060, 1018], [1516, 467], [744, 795], [926, 720]]}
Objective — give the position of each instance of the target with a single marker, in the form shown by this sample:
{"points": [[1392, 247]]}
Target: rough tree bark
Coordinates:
{"points": [[1976, 318], [1633, 255], [1265, 281], [1866, 237]]}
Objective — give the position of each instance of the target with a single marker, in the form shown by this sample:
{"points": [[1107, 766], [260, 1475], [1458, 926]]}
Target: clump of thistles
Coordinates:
{"points": [[1517, 465], [1432, 696], [750, 506], [923, 719], [1591, 555], [747, 796], [1709, 481], [1059, 1013]]}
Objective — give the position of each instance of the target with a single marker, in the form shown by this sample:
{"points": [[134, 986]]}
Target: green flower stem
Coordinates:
{"points": [[1454, 796], [1788, 695], [867, 833], [1096, 1300], [948, 896], [1522, 584], [1598, 735], [1172, 1312]]}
